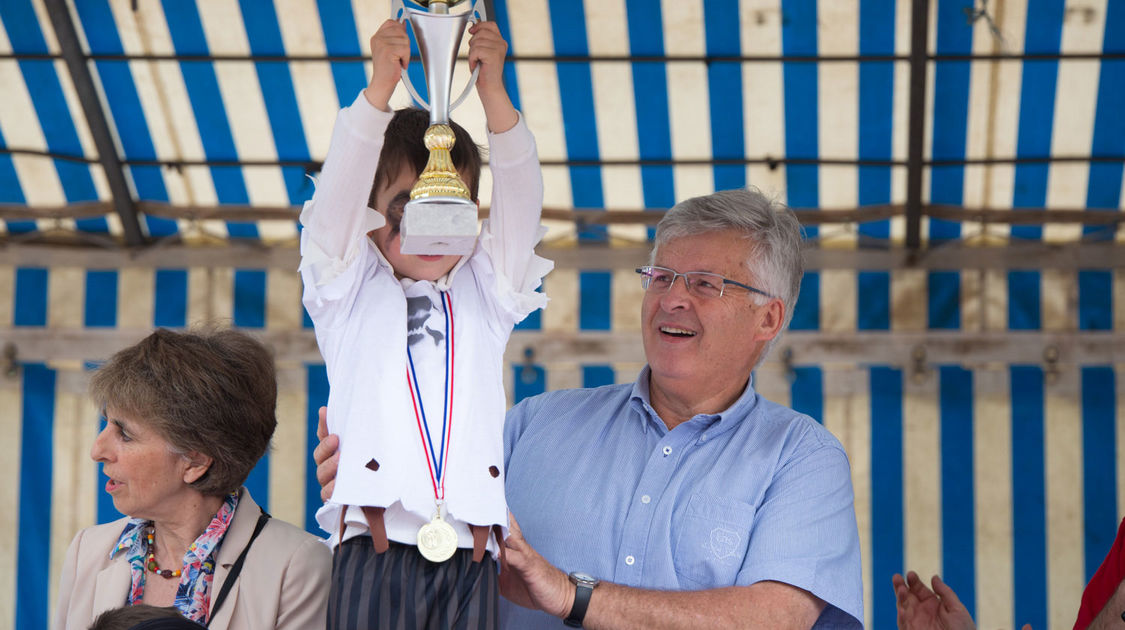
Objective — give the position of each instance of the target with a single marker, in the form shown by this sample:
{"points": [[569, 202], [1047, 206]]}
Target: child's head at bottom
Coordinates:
{"points": [[144, 617], [401, 161]]}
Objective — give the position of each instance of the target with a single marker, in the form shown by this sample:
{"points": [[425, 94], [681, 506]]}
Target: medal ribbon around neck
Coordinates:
{"points": [[436, 459]]}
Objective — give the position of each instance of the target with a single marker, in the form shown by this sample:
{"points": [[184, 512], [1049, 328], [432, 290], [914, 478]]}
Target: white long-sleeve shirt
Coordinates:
{"points": [[365, 320]]}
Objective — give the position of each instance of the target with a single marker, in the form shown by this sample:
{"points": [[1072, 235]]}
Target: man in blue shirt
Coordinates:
{"points": [[684, 500]]}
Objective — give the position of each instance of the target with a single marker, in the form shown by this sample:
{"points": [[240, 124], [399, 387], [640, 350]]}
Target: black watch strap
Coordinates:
{"points": [[581, 602], [583, 589]]}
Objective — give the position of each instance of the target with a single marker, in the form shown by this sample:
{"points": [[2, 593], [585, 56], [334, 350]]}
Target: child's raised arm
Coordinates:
{"points": [[486, 50], [338, 212], [517, 180]]}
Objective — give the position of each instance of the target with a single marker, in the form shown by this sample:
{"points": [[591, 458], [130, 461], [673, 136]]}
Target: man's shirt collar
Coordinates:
{"points": [[641, 401]]}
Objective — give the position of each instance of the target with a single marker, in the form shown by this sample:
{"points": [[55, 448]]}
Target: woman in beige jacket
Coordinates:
{"points": [[188, 415]]}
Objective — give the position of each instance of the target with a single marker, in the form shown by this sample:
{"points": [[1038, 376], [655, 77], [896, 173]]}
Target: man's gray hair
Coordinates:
{"points": [[773, 236]]}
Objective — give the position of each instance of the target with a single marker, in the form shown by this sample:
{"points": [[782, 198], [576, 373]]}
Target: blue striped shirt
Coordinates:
{"points": [[757, 492]]}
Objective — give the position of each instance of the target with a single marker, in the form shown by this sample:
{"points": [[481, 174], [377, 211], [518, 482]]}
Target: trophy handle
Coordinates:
{"points": [[476, 14]]}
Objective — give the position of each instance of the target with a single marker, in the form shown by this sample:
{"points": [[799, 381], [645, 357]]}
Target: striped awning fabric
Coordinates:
{"points": [[218, 111]]}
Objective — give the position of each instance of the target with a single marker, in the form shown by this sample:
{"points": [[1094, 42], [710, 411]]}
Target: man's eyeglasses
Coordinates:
{"points": [[702, 284]]}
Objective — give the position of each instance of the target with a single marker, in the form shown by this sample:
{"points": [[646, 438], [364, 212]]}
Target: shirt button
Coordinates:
{"points": [[629, 560], [667, 451], [645, 499]]}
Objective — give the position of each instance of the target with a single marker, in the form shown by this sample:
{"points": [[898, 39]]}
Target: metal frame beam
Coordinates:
{"points": [[76, 64], [1109, 217], [916, 132], [693, 59], [314, 166]]}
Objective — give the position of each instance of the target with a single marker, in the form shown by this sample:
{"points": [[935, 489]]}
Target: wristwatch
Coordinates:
{"points": [[584, 585]]}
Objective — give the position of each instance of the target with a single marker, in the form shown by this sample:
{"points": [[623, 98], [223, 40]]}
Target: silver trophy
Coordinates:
{"points": [[441, 216]]}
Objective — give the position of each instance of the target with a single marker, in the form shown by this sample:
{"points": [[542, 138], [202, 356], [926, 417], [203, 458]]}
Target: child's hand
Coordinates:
{"points": [[390, 53], [486, 51]]}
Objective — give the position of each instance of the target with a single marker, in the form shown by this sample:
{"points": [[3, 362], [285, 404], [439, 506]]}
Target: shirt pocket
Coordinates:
{"points": [[713, 536]]}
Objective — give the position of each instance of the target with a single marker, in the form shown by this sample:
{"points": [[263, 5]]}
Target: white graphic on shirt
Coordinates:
{"points": [[724, 542]]}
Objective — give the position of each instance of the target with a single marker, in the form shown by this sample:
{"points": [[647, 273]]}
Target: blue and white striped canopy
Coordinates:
{"points": [[958, 165], [215, 104]]}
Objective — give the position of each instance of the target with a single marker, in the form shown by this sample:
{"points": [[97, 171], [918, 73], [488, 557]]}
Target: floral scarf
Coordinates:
{"points": [[193, 597]]}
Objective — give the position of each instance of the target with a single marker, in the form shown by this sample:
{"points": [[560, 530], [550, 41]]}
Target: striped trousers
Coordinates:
{"points": [[401, 590]]}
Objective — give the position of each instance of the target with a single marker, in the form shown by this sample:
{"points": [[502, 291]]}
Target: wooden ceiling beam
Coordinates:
{"points": [[916, 351], [254, 255]]}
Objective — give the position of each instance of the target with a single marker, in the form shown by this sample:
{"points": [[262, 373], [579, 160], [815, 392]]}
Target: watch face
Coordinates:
{"points": [[579, 577]]}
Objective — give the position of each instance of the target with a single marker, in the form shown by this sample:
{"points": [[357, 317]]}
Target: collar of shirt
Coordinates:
{"points": [[131, 540], [203, 546], [710, 423], [132, 537]]}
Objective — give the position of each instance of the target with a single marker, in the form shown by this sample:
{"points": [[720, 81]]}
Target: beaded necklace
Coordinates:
{"points": [[150, 563]]}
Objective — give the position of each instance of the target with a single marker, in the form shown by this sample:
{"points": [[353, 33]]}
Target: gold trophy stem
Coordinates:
{"points": [[439, 178]]}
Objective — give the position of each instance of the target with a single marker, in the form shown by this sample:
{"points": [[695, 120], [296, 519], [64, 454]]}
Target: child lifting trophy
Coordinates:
{"points": [[390, 245]]}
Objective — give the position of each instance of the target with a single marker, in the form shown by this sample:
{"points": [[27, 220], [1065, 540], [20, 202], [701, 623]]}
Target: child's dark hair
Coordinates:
{"points": [[142, 616], [403, 146]]}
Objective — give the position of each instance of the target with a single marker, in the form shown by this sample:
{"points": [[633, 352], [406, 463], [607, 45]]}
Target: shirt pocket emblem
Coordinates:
{"points": [[712, 540], [724, 542]]}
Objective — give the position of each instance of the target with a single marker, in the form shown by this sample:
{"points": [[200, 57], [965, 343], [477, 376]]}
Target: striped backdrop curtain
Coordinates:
{"points": [[1003, 478]]}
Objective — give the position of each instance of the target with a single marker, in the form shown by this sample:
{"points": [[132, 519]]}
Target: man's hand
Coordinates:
{"points": [[326, 455], [390, 54], [527, 579], [486, 51], [919, 608]]}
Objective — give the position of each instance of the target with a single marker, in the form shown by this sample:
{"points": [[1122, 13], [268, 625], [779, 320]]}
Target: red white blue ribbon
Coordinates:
{"points": [[436, 458]]}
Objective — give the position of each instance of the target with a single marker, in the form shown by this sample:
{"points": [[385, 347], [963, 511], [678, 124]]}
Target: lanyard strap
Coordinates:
{"points": [[235, 570], [436, 458]]}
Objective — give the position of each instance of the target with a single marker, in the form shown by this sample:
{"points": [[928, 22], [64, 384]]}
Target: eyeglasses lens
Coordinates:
{"points": [[699, 283]]}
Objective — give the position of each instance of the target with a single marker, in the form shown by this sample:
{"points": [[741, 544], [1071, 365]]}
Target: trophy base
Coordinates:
{"points": [[439, 226]]}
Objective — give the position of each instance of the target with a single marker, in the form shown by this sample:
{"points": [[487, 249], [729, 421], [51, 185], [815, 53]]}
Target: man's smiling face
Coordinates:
{"points": [[706, 346]]}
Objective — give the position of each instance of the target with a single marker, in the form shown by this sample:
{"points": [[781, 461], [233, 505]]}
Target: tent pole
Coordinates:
{"points": [[96, 119]]}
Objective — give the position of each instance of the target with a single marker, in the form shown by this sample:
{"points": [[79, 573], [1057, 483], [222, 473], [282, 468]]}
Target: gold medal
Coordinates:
{"points": [[436, 540]]}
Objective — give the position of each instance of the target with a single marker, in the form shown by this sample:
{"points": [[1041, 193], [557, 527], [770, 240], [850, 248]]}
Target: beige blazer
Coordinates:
{"points": [[283, 584]]}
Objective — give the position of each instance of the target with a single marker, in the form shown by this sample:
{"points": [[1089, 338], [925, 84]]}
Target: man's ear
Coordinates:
{"points": [[197, 465], [770, 324]]}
